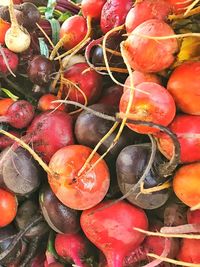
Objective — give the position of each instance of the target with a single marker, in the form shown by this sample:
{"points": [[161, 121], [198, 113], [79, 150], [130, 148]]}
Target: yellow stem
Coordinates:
{"points": [[154, 189], [30, 150], [79, 46], [192, 12], [190, 7], [96, 148]]}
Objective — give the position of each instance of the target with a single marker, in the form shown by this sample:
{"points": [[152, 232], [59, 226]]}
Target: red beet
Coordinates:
{"points": [[110, 228], [114, 14], [145, 10], [193, 217], [12, 60], [71, 247], [5, 141], [92, 8], [189, 251], [49, 131], [19, 114], [88, 80]]}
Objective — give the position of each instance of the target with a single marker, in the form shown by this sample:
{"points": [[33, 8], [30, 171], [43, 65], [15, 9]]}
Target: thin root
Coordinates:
{"points": [[149, 233], [181, 263], [154, 189]]}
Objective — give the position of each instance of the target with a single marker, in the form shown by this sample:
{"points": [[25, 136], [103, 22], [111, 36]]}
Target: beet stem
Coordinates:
{"points": [[19, 236], [181, 229], [31, 252]]}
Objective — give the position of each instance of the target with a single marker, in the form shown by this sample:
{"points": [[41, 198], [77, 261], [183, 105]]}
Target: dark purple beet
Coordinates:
{"points": [[59, 217], [130, 166], [89, 129], [19, 172], [40, 69]]}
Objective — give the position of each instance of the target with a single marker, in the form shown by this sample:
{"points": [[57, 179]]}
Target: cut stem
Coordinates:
{"points": [[154, 189]]}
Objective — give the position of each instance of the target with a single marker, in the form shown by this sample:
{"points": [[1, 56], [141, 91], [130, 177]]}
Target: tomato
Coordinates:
{"points": [[45, 103], [187, 130], [4, 26], [186, 184], [8, 207], [5, 103], [184, 86], [152, 103], [75, 28], [78, 192]]}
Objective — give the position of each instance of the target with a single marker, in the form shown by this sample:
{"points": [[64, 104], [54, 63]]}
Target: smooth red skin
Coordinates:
{"points": [[12, 59], [153, 104], [141, 77], [187, 130], [189, 251], [112, 95], [4, 26], [45, 103], [114, 13], [76, 29], [183, 84], [147, 55], [145, 10], [90, 82], [179, 6], [19, 115], [110, 228], [5, 103], [6, 141], [193, 217], [78, 192], [186, 184], [8, 207], [92, 8], [72, 247], [48, 132]]}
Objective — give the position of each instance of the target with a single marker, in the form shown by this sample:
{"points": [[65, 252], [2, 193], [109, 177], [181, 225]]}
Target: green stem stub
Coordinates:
{"points": [[43, 47], [50, 8], [55, 27]]}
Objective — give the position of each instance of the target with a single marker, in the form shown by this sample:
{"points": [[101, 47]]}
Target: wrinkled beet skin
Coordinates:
{"points": [[6, 232], [114, 13], [50, 131]]}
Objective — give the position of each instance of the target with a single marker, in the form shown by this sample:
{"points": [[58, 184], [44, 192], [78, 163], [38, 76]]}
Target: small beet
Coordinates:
{"points": [[72, 247], [19, 114]]}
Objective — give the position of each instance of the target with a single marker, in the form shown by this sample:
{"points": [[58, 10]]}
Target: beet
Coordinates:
{"points": [[48, 132], [110, 227], [19, 114]]}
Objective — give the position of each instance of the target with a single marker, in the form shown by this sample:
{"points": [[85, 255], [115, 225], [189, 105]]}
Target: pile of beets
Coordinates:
{"points": [[99, 133]]}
